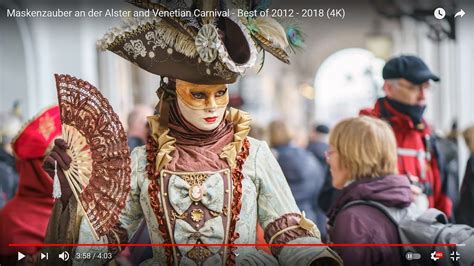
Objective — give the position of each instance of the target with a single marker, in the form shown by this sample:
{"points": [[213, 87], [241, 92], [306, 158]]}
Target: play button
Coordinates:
{"points": [[20, 256]]}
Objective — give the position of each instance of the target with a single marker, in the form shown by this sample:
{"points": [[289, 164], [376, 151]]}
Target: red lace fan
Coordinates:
{"points": [[99, 175]]}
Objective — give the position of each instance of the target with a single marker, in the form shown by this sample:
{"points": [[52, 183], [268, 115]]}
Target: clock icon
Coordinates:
{"points": [[439, 13]]}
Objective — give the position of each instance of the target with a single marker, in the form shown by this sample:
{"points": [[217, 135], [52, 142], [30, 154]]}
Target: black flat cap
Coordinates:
{"points": [[409, 67], [322, 129]]}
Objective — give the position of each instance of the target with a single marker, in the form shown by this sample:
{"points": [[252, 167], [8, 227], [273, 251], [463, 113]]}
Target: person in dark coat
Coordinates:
{"points": [[8, 175], [448, 149], [318, 143], [8, 183], [318, 146], [362, 157], [464, 214], [304, 173], [9, 126]]}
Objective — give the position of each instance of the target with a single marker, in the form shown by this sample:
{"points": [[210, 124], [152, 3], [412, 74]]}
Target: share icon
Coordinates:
{"points": [[460, 13]]}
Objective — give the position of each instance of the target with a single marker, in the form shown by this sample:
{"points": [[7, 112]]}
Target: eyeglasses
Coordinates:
{"points": [[414, 87], [328, 153]]}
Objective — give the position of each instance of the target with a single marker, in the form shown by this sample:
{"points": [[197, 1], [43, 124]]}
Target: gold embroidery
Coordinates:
{"points": [[46, 126], [199, 254], [306, 224], [176, 215], [215, 214], [195, 179], [221, 71], [197, 215]]}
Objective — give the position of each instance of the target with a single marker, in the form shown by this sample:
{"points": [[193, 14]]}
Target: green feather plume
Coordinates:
{"points": [[295, 37]]}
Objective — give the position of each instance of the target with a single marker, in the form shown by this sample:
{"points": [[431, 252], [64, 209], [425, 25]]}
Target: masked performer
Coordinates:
{"points": [[24, 219], [200, 179]]}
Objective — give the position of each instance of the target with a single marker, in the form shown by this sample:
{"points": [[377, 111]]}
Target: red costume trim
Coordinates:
{"points": [[153, 190], [283, 222], [237, 178]]}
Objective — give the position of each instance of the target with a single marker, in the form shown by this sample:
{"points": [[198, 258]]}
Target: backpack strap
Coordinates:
{"points": [[393, 216]]}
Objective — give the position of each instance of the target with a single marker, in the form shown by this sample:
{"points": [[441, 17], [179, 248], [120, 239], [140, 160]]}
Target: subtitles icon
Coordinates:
{"points": [[64, 256], [436, 255]]}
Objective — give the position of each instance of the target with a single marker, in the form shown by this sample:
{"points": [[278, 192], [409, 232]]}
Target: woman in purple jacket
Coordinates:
{"points": [[362, 156]]}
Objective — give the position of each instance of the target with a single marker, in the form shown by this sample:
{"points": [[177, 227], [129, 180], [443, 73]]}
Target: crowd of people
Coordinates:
{"points": [[389, 155]]}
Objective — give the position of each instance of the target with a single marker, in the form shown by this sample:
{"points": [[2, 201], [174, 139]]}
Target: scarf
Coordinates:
{"points": [[415, 112], [196, 149]]}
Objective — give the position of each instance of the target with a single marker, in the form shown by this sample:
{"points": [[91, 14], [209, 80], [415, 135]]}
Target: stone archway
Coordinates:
{"points": [[348, 80]]}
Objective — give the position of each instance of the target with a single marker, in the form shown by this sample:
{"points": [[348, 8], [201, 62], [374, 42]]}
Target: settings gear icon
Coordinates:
{"points": [[436, 255]]}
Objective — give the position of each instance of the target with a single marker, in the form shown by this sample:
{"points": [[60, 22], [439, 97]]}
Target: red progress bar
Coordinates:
{"points": [[232, 245]]}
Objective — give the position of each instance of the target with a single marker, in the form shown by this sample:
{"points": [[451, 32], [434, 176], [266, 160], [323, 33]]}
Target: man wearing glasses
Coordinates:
{"points": [[407, 80]]}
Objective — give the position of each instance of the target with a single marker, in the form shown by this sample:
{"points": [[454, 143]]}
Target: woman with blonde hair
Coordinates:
{"points": [[362, 157], [464, 213]]}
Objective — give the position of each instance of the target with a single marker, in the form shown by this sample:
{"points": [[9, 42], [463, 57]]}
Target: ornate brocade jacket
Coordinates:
{"points": [[197, 208]]}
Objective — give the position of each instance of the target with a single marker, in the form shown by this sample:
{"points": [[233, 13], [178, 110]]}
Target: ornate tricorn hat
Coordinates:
{"points": [[204, 42], [35, 138]]}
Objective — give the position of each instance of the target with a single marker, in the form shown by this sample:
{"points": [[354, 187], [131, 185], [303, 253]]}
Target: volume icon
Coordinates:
{"points": [[64, 256]]}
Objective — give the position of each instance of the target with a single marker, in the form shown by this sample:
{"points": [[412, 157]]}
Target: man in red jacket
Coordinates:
{"points": [[407, 80]]}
